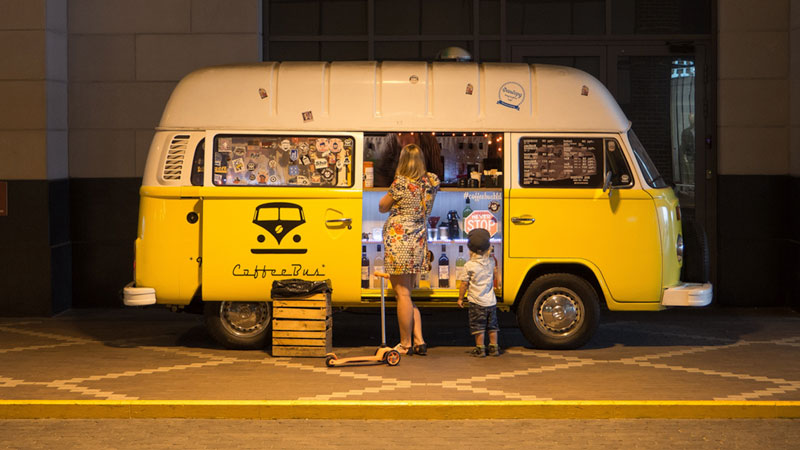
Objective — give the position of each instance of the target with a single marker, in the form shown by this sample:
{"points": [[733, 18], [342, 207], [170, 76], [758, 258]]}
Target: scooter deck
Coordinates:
{"points": [[386, 355]]}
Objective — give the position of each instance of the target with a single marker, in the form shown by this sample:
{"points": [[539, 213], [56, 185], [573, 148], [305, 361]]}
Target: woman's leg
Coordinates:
{"points": [[418, 339], [405, 308]]}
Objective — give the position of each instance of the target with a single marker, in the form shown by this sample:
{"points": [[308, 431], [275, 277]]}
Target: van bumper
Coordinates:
{"points": [[138, 296], [688, 294]]}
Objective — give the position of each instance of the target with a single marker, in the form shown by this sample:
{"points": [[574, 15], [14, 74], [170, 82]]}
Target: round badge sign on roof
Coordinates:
{"points": [[511, 95]]}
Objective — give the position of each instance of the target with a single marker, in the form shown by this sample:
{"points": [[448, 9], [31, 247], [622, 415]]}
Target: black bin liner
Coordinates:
{"points": [[296, 287]]}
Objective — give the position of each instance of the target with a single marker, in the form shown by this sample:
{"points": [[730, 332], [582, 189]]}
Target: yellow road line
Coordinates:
{"points": [[421, 410]]}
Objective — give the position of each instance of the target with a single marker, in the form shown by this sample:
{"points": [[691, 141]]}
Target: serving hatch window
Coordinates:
{"points": [[285, 160], [455, 157]]}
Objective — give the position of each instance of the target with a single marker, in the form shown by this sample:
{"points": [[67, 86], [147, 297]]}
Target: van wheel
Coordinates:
{"points": [[559, 311], [696, 258], [239, 325]]}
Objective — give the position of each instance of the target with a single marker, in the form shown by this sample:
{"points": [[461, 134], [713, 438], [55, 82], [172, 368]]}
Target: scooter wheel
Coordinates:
{"points": [[392, 357], [329, 360]]}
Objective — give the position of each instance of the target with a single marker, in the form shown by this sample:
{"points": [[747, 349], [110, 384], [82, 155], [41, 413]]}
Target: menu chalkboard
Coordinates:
{"points": [[560, 162]]}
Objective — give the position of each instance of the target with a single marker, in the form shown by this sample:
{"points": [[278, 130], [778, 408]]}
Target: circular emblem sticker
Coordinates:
{"points": [[511, 95]]}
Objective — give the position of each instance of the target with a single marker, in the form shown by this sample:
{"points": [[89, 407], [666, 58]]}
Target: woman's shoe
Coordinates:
{"points": [[408, 351], [421, 349]]}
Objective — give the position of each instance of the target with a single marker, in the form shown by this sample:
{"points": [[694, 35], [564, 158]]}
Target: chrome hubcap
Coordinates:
{"points": [[244, 318], [558, 311]]}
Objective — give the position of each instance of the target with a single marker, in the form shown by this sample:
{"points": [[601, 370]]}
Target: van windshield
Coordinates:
{"points": [[649, 171]]}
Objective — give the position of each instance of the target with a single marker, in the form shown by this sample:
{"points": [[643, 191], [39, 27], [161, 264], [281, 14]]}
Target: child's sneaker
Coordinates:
{"points": [[479, 351], [494, 350]]}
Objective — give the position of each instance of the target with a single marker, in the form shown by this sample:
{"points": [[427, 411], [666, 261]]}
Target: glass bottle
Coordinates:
{"points": [[425, 275], [460, 262], [378, 266], [464, 214], [444, 269], [364, 268]]}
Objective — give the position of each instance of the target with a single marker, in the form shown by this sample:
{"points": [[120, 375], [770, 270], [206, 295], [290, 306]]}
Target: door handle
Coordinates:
{"points": [[345, 221], [522, 220]]}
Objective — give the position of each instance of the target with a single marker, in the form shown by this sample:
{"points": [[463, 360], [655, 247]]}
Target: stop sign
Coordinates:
{"points": [[481, 219]]}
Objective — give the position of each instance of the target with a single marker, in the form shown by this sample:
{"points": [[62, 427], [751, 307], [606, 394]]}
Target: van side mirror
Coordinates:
{"points": [[607, 183]]}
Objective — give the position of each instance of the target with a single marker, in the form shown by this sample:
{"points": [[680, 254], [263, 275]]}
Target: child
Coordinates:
{"points": [[478, 281]]}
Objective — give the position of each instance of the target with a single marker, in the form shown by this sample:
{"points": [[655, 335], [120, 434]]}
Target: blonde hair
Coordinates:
{"points": [[411, 163]]}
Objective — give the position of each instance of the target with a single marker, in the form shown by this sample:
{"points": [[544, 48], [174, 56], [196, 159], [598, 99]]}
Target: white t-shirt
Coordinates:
{"points": [[479, 273]]}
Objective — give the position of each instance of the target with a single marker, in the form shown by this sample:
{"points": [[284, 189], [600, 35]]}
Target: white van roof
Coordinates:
{"points": [[392, 96]]}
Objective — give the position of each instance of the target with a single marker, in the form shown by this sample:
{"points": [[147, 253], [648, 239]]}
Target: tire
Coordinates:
{"points": [[696, 258], [559, 311], [392, 357], [239, 325]]}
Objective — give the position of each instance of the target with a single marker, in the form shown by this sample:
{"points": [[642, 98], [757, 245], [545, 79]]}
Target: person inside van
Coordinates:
{"points": [[386, 165], [409, 203]]}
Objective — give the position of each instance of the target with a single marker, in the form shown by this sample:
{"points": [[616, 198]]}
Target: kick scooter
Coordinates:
{"points": [[384, 354]]}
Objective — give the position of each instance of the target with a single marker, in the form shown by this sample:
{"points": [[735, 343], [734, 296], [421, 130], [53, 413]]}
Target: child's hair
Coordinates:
{"points": [[482, 253], [411, 163]]}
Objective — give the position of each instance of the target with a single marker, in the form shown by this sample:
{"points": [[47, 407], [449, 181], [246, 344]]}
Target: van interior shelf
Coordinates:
{"points": [[437, 241], [443, 189], [426, 293]]}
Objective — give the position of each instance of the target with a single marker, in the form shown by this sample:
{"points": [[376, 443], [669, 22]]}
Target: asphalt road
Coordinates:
{"points": [[399, 434]]}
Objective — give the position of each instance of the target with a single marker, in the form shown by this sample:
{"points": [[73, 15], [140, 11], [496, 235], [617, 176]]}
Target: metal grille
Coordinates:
{"points": [[173, 164]]}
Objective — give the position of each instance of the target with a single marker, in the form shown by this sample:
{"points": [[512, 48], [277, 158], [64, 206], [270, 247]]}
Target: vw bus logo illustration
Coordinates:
{"points": [[279, 219]]}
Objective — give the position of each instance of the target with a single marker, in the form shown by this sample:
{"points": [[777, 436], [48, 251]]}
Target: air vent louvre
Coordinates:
{"points": [[173, 165]]}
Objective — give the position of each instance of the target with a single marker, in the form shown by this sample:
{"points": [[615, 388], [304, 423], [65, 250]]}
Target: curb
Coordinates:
{"points": [[405, 410]]}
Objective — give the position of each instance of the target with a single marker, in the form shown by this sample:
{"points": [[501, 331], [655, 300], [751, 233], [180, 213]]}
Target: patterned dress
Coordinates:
{"points": [[405, 234]]}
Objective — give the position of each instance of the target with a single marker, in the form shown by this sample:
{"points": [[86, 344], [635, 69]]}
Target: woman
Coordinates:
{"points": [[410, 200], [386, 165]]}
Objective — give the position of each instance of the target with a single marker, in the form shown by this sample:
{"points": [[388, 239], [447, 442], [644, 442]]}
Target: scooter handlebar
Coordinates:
{"points": [[381, 274]]}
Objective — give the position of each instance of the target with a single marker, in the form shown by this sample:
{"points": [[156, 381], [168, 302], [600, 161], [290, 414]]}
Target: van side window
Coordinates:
{"points": [[617, 165], [285, 160], [197, 163], [561, 162], [649, 171]]}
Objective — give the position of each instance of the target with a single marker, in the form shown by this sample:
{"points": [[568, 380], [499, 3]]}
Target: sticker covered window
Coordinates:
{"points": [[284, 161], [560, 162]]}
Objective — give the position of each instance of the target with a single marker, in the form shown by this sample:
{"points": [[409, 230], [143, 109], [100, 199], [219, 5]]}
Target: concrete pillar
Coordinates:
{"points": [[794, 152], [35, 248], [754, 184], [125, 59]]}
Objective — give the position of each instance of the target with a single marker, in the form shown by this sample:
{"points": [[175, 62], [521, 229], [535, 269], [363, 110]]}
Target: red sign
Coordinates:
{"points": [[481, 219]]}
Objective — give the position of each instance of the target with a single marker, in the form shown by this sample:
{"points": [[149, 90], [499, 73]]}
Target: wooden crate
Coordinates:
{"points": [[301, 326]]}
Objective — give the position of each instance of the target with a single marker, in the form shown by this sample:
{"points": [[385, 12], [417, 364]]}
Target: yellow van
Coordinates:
{"points": [[271, 171]]}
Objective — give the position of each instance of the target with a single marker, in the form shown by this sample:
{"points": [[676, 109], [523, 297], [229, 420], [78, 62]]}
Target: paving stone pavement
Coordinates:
{"points": [[153, 354], [334, 434]]}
